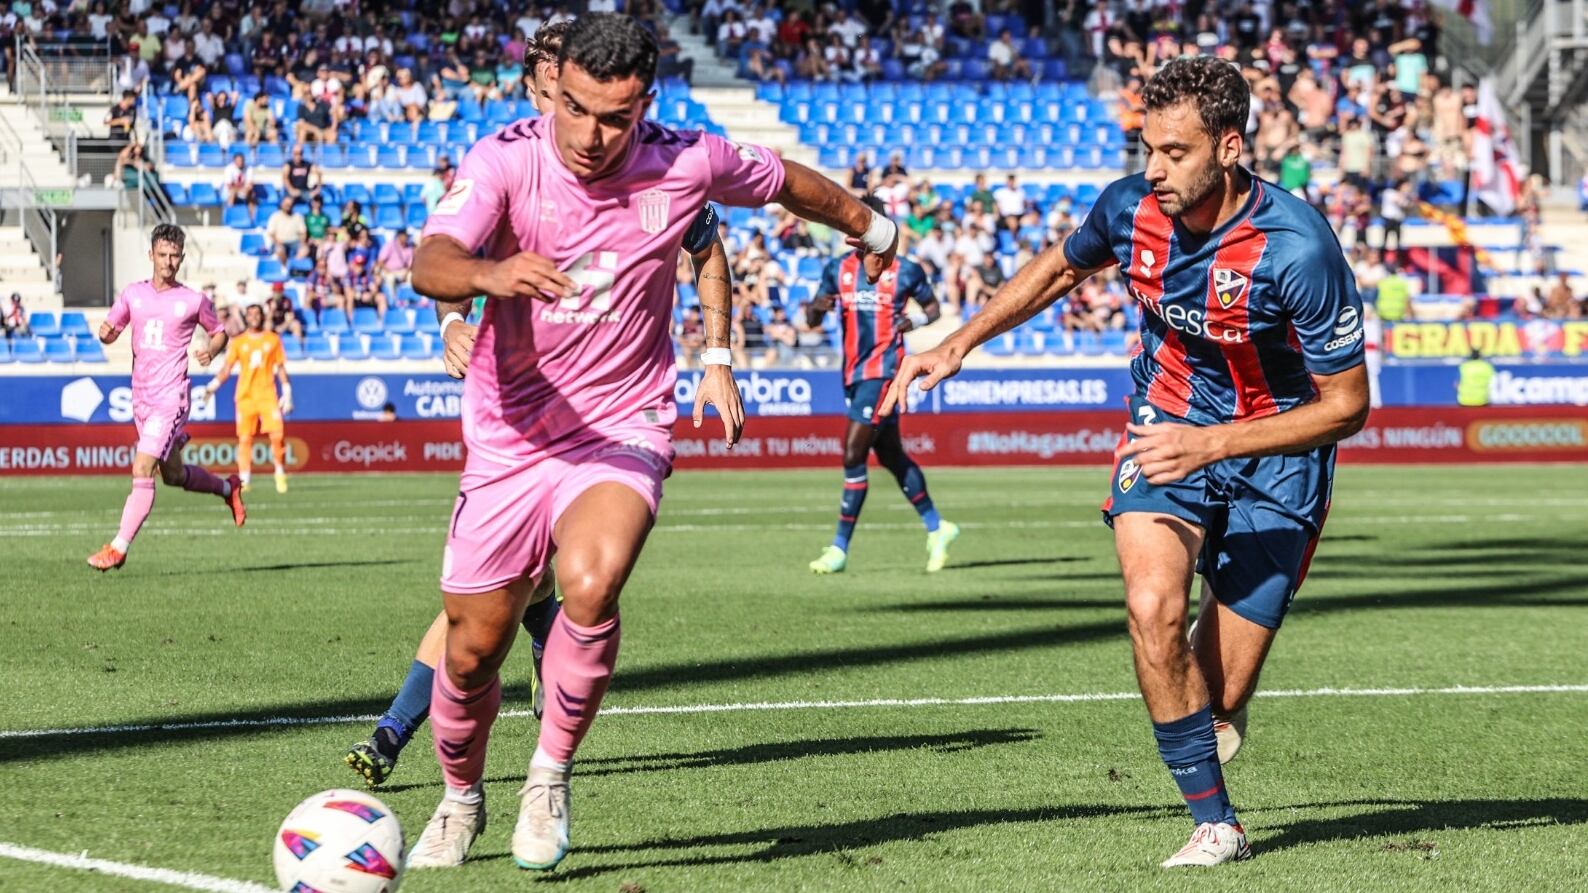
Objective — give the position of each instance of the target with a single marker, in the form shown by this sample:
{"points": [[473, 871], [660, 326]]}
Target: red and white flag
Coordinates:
{"points": [[1474, 11], [1497, 170]]}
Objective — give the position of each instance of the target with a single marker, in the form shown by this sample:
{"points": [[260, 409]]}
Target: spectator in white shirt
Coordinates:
{"points": [[1010, 200], [98, 21], [208, 45], [410, 95], [731, 34], [239, 183], [848, 28], [867, 61], [1005, 59], [601, 6], [763, 30]]}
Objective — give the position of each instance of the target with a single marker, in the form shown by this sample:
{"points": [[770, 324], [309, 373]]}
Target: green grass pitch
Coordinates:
{"points": [[1427, 578]]}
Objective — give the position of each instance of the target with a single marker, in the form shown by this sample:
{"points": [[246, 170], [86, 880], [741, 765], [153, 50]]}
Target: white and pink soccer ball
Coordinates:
{"points": [[340, 842]]}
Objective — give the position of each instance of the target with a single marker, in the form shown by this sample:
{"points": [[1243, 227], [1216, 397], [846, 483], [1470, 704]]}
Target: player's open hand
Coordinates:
{"points": [[458, 344], [1168, 451], [284, 404], [526, 275], [718, 388], [931, 367]]}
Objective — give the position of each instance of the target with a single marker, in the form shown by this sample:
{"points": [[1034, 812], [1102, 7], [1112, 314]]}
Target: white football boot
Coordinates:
{"points": [[1211, 844], [446, 839], [1231, 734], [540, 839]]}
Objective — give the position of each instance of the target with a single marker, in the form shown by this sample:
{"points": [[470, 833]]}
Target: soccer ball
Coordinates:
{"points": [[340, 842]]}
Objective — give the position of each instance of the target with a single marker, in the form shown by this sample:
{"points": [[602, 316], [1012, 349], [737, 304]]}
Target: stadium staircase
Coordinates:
{"points": [[28, 163]]}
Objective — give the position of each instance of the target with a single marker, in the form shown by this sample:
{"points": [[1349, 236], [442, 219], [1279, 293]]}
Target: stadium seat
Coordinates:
{"points": [[333, 321], [237, 217], [416, 215], [269, 155], [332, 157], [59, 350], [356, 192], [389, 156], [253, 245], [180, 154], [385, 347], [27, 350], [398, 321], [292, 347], [1114, 342], [44, 325], [387, 194], [176, 193], [5, 351], [203, 195], [388, 217], [319, 347], [270, 270], [89, 350], [366, 321], [351, 347], [211, 155], [75, 324]]}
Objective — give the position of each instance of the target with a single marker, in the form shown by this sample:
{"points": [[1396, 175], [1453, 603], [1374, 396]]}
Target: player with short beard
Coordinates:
{"points": [[1251, 370]]}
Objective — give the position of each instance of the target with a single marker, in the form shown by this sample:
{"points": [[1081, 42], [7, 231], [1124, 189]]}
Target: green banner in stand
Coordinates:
{"points": [[66, 113], [52, 197]]}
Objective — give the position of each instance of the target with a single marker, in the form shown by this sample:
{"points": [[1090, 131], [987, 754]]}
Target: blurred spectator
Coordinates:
{"points": [[286, 233], [1561, 302], [322, 290], [1393, 203], [226, 310], [1005, 59], [1395, 296], [670, 61], [396, 258], [16, 318], [259, 121], [438, 184], [315, 121], [1010, 200], [409, 94], [123, 116], [280, 316], [238, 185], [300, 177], [362, 288], [691, 337], [781, 336], [132, 163], [985, 279], [921, 60], [316, 223]]}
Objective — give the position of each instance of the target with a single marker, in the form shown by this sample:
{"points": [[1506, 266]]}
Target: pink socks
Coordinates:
{"points": [[461, 722], [139, 503], [577, 667]]}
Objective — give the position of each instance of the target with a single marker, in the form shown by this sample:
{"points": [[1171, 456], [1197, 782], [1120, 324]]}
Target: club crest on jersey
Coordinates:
{"points": [[1129, 471], [652, 205], [1229, 285]]}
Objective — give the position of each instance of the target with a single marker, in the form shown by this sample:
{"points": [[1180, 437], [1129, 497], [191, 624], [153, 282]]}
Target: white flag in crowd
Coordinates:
{"points": [[1497, 170], [1474, 11]]}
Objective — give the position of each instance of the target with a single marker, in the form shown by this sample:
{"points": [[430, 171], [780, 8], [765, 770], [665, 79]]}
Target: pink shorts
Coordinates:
{"points": [[158, 427], [504, 516]]}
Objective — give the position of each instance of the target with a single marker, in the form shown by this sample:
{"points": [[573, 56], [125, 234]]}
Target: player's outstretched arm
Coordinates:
{"points": [[457, 335], [1168, 452], [446, 270], [814, 197], [1035, 286], [714, 282]]}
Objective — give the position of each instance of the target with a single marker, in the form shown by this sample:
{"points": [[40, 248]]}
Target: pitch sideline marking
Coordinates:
{"points": [[190, 880], [750, 706]]}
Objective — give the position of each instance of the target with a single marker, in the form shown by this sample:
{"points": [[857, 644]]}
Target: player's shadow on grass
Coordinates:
{"points": [[796, 841], [300, 566], [1408, 817], [1010, 562]]}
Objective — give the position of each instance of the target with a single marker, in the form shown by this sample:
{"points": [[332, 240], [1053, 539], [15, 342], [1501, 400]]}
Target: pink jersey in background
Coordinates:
{"points": [[548, 376], [162, 324]]}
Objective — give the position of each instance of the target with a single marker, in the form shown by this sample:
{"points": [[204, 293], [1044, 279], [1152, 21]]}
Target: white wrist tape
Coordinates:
{"points": [[286, 392], [880, 235], [716, 356], [918, 319], [449, 319]]}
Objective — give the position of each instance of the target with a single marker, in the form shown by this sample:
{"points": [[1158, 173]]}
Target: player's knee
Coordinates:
{"points": [[854, 455], [472, 661], [589, 593], [1157, 625]]}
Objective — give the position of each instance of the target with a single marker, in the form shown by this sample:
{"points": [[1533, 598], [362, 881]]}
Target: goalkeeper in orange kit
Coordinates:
{"points": [[259, 359]]}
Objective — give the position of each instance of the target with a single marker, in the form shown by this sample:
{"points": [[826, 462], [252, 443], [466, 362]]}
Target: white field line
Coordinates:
{"points": [[190, 880], [760, 706], [313, 525]]}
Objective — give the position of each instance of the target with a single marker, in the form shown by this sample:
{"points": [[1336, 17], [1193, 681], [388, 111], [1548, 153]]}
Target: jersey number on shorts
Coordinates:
{"points": [[154, 334], [594, 273]]}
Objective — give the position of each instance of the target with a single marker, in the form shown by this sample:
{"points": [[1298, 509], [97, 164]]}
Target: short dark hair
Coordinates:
{"points": [[546, 45], [169, 232], [1222, 97], [610, 46]]}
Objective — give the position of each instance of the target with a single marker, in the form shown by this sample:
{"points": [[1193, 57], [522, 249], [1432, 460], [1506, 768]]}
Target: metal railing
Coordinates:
{"points": [[43, 228], [51, 74]]}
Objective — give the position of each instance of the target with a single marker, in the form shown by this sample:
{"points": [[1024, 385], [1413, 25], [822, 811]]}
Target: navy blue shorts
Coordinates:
{"points": [[1261, 518], [864, 398]]}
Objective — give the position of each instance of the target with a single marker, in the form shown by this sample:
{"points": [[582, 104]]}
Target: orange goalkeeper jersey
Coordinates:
{"points": [[258, 355]]}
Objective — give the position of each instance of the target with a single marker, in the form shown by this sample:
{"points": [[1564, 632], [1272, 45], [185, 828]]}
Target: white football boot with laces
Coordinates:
{"points": [[540, 839], [1211, 844], [446, 839]]}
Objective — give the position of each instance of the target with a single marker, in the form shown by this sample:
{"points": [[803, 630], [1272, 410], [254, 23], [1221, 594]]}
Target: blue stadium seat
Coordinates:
{"points": [[179, 154], [361, 157], [400, 132], [810, 268], [300, 267], [388, 217], [1114, 342], [44, 325], [270, 270], [211, 155], [89, 350], [366, 320], [356, 192], [332, 156], [1001, 346], [390, 156], [415, 347], [333, 321], [292, 347], [204, 195], [385, 347], [176, 193], [237, 217], [413, 192], [5, 351], [59, 350], [416, 215], [269, 155], [1088, 344], [399, 321], [387, 194], [75, 324], [319, 347], [425, 321], [352, 347], [27, 350], [174, 109], [253, 245]]}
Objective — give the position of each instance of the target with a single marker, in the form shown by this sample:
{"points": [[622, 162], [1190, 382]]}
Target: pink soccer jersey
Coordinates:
{"points": [[547, 376], [162, 328]]}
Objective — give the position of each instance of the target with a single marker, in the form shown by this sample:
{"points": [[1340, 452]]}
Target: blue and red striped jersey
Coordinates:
{"points": [[868, 313], [1234, 322]]}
